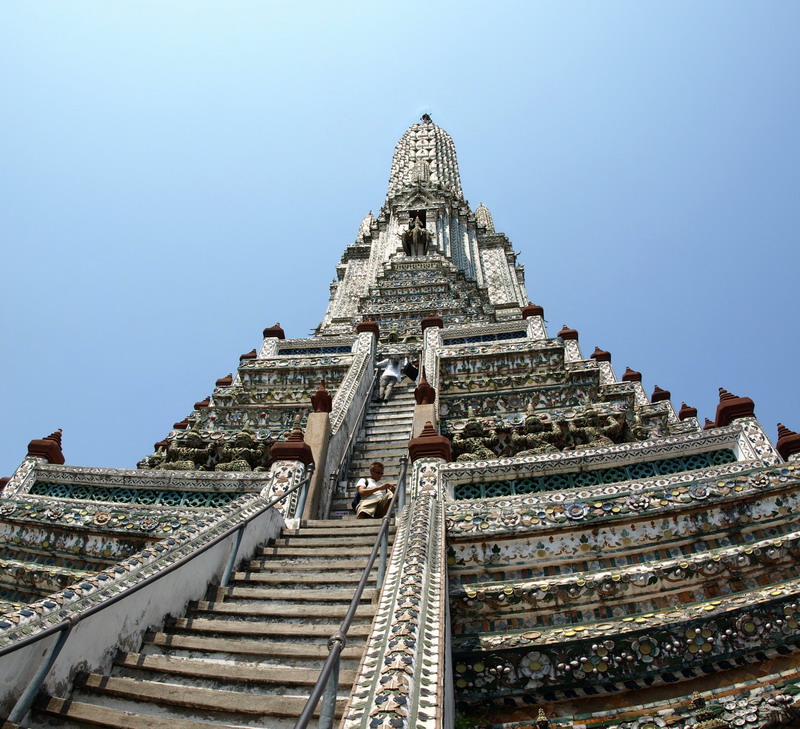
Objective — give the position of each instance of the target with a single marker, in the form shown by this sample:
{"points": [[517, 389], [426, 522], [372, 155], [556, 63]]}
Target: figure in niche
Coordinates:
{"points": [[243, 452], [539, 435], [475, 442], [594, 430], [636, 430], [187, 452], [416, 239]]}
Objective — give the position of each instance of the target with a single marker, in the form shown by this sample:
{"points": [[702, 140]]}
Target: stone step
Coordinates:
{"points": [[248, 646], [355, 529], [83, 713], [301, 579], [286, 552], [336, 525], [226, 626], [228, 671], [311, 565], [310, 595], [331, 542], [251, 609], [197, 698], [389, 451]]}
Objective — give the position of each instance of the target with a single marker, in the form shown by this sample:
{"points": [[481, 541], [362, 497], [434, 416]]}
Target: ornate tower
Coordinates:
{"points": [[427, 252], [573, 551]]}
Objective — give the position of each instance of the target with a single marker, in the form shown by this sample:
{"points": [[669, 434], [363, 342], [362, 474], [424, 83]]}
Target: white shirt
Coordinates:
{"points": [[391, 369]]}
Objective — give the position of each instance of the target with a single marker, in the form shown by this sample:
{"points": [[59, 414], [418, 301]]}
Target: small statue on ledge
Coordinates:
{"points": [[416, 239]]}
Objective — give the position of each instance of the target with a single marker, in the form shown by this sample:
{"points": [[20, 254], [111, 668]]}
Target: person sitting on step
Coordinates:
{"points": [[374, 496]]}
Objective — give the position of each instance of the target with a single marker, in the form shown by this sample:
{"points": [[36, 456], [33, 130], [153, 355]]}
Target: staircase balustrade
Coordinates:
{"points": [[65, 627], [328, 680], [344, 462]]}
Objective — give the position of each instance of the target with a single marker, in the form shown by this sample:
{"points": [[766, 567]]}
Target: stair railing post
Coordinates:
{"points": [[226, 575], [382, 560], [301, 498], [401, 486], [328, 709], [23, 705]]}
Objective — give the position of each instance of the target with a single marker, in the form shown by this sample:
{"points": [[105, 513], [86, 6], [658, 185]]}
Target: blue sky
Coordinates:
{"points": [[178, 175]]}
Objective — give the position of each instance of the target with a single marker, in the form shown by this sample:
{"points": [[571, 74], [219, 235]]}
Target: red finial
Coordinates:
{"points": [[709, 424], [225, 381], [432, 321], [788, 442], [294, 448], [732, 407], [181, 424], [321, 400], [369, 326], [631, 375], [600, 355], [429, 444], [202, 404], [48, 448], [424, 394], [567, 333], [659, 394], [4, 482], [248, 355], [275, 332], [686, 412], [532, 310]]}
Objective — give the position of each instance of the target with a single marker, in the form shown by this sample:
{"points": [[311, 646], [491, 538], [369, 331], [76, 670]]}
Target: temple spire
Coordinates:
{"points": [[425, 154]]}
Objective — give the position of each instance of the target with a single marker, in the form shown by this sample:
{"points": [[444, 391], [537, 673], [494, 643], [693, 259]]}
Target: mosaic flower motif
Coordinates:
{"points": [[638, 502], [148, 523], [758, 480], [53, 513], [698, 491], [749, 626], [699, 640], [646, 649], [534, 665], [7, 509], [101, 517], [576, 511]]}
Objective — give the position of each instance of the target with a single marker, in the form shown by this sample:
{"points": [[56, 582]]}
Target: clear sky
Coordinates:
{"points": [[175, 176]]}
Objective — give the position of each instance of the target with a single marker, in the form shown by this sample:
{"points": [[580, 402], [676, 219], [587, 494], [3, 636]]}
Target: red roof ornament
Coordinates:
{"points": [[788, 442], [532, 310], [600, 355], [4, 482], [732, 407], [294, 448], [424, 393], [686, 412], [429, 444], [432, 321], [567, 333], [48, 448], [709, 424], [202, 404], [248, 355], [659, 394], [321, 400], [225, 381], [369, 326], [181, 424], [631, 375], [275, 332]]}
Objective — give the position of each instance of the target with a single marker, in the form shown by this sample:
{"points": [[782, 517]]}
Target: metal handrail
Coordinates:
{"points": [[329, 675], [65, 627]]}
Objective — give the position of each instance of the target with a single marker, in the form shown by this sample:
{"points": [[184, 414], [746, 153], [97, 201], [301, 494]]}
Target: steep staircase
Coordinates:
{"points": [[249, 655], [384, 437]]}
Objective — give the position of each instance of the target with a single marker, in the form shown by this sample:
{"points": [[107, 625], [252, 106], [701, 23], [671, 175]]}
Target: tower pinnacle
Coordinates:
{"points": [[425, 153]]}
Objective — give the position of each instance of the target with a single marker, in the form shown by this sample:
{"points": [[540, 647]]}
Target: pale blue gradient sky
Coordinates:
{"points": [[178, 175]]}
